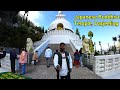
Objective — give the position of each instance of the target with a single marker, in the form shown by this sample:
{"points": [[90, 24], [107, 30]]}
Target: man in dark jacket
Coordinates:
{"points": [[13, 56]]}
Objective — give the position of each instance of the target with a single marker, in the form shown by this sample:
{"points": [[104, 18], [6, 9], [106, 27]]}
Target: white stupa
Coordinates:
{"points": [[60, 30], [60, 19]]}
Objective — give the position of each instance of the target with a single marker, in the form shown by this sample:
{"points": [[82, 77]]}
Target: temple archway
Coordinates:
{"points": [[60, 26]]}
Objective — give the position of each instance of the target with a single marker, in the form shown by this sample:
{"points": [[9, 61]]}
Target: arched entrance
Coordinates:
{"points": [[59, 26]]}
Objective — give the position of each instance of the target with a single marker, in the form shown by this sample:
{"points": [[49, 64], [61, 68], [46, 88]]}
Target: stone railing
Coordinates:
{"points": [[60, 32], [5, 62], [38, 43], [42, 47], [106, 63], [75, 44], [72, 46]]}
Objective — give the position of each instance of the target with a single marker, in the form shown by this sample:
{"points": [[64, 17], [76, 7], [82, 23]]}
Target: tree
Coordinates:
{"points": [[83, 37], [91, 46], [16, 36], [42, 30], [114, 39], [77, 32], [90, 34], [46, 31], [100, 46]]}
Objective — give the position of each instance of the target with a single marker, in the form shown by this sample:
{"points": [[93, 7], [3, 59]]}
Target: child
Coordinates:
{"points": [[35, 57]]}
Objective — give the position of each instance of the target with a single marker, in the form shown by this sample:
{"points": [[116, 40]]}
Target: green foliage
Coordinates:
{"points": [[91, 46], [96, 53], [114, 38], [45, 31], [90, 34], [83, 36], [16, 36]]}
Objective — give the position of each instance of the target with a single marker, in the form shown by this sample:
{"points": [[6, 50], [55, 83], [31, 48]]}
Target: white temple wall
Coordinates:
{"points": [[57, 39]]}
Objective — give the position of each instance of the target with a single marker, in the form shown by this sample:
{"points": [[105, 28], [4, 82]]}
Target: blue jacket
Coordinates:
{"points": [[76, 56]]}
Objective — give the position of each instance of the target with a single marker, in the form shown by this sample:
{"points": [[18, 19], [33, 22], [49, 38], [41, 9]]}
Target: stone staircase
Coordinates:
{"points": [[42, 59]]}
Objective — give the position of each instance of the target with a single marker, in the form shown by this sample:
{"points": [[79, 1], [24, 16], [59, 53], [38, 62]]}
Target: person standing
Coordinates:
{"points": [[81, 56], [48, 56], [2, 54], [13, 56], [35, 57], [76, 59], [63, 62], [23, 61]]}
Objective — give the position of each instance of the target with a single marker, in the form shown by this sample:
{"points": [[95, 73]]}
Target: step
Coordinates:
{"points": [[54, 47]]}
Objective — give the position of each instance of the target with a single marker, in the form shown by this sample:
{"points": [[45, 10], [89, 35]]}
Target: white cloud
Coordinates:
{"points": [[34, 16]]}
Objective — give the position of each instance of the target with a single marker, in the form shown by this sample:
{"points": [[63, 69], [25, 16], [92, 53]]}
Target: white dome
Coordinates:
{"points": [[65, 23], [60, 19]]}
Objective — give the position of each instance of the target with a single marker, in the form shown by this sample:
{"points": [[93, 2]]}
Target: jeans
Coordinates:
{"points": [[35, 63], [23, 68], [48, 61], [17, 65]]}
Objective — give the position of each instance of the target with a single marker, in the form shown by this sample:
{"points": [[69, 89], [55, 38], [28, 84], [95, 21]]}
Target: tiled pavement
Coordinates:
{"points": [[42, 72]]}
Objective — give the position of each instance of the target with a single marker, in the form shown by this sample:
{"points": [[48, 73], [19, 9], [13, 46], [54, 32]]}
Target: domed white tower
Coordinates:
{"points": [[60, 30], [60, 23]]}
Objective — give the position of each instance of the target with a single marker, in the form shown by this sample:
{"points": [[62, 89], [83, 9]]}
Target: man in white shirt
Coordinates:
{"points": [[48, 56], [63, 62]]}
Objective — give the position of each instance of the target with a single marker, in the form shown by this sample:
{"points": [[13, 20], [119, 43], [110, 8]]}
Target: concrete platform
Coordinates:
{"points": [[115, 74], [3, 70]]}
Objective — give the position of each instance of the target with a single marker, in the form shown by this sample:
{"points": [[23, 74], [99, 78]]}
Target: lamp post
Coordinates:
{"points": [[100, 46], [95, 46]]}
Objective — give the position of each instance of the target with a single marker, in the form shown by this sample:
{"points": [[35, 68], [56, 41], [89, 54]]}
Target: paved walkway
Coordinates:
{"points": [[42, 72], [3, 70], [114, 74]]}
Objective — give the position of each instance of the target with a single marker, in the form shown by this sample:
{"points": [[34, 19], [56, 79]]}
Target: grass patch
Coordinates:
{"points": [[10, 75]]}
